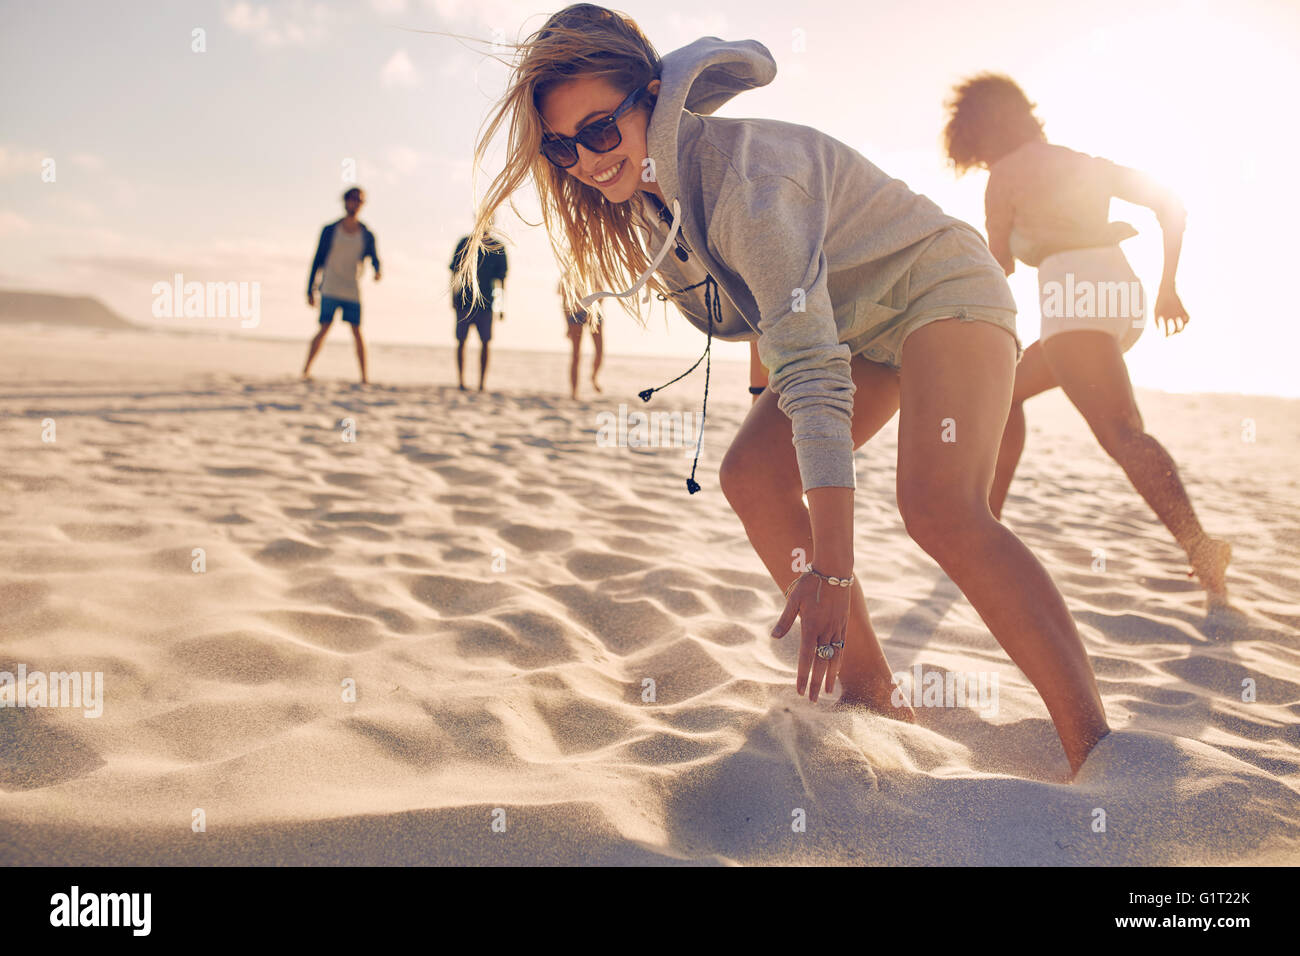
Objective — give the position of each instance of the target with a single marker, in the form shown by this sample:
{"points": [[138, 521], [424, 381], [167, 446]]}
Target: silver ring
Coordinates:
{"points": [[827, 651]]}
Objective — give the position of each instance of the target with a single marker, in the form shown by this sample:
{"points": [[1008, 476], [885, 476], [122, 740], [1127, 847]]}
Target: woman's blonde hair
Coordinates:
{"points": [[593, 239]]}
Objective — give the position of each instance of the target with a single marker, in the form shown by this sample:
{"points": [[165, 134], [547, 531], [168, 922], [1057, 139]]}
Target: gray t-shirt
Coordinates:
{"points": [[343, 266]]}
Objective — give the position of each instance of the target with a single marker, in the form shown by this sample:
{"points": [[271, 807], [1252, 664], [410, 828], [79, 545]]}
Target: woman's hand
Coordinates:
{"points": [[822, 620], [1170, 311]]}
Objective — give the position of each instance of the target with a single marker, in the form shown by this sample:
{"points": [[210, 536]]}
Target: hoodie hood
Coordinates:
{"points": [[698, 78]]}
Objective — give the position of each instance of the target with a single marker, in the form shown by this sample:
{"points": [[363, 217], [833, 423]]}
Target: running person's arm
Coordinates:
{"points": [[1134, 186], [999, 214], [317, 263], [373, 252]]}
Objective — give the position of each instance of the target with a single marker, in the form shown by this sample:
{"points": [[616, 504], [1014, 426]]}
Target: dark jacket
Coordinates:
{"points": [[491, 265], [323, 250]]}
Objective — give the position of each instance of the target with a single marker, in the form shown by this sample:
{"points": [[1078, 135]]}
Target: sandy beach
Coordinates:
{"points": [[406, 624]]}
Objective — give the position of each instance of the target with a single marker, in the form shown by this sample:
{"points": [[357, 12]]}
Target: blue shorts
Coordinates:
{"points": [[479, 320], [329, 305]]}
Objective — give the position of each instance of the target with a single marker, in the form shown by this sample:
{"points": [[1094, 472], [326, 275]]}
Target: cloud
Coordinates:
{"points": [[17, 163], [221, 258], [78, 208], [87, 161], [12, 224], [295, 24], [399, 71]]}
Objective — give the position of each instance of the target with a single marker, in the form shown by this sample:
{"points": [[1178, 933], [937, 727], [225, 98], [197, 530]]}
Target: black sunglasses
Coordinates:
{"points": [[600, 136]]}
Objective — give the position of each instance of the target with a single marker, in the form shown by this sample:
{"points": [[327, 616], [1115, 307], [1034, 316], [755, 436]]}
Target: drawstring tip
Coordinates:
{"points": [[692, 485], [645, 394]]}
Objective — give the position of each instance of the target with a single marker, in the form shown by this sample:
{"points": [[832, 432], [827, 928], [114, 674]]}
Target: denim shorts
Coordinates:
{"points": [[329, 305], [955, 277]]}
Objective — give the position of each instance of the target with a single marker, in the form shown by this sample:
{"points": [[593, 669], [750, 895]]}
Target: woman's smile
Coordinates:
{"points": [[610, 174]]}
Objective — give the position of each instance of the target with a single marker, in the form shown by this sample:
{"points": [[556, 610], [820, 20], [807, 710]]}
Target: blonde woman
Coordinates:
{"points": [[864, 298], [1048, 206]]}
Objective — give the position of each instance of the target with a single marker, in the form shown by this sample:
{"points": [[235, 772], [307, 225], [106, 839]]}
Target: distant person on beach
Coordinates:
{"points": [[864, 297], [575, 320], [474, 310], [1048, 206], [344, 245]]}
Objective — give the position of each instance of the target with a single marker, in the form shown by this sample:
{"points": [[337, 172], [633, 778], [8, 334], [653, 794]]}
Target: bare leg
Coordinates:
{"points": [[482, 364], [361, 352], [598, 339], [956, 391], [460, 363], [1091, 370], [314, 348], [575, 339], [760, 477], [1033, 376]]}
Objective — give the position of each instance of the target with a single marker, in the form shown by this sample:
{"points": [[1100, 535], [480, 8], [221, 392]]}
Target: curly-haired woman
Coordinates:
{"points": [[1048, 206]]}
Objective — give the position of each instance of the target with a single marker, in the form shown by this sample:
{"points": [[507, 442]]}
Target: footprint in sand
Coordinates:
{"points": [[340, 633], [81, 531], [286, 552], [240, 657], [622, 626], [454, 597], [598, 565], [530, 538], [36, 752]]}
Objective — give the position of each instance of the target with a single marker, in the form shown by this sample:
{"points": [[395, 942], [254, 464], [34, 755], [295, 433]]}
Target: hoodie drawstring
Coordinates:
{"points": [[712, 304]]}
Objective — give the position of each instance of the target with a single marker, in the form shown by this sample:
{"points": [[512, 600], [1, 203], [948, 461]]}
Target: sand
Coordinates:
{"points": [[497, 588]]}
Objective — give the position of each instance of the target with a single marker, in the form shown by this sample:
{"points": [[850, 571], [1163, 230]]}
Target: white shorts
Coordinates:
{"points": [[1091, 289]]}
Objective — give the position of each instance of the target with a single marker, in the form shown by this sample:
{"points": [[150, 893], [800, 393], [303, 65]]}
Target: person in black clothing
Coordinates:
{"points": [[491, 269]]}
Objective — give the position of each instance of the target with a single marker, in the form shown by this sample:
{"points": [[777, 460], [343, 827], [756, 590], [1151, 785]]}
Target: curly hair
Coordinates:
{"points": [[989, 116], [593, 239]]}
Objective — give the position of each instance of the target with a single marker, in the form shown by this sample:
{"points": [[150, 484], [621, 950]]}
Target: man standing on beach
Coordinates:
{"points": [[344, 245], [491, 268]]}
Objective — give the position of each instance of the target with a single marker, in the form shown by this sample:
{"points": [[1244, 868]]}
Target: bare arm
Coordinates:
{"points": [[1136, 187], [831, 513], [999, 214]]}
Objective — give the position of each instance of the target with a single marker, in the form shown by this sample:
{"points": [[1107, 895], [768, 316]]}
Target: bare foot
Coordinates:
{"points": [[879, 703], [306, 376], [595, 386], [463, 388], [1209, 558]]}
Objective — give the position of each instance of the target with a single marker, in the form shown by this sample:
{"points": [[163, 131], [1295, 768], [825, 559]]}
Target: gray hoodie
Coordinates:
{"points": [[805, 238]]}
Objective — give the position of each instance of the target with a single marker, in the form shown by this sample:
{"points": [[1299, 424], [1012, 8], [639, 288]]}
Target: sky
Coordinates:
{"points": [[214, 138]]}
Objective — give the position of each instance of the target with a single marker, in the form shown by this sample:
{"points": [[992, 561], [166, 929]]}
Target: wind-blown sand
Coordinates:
{"points": [[516, 693]]}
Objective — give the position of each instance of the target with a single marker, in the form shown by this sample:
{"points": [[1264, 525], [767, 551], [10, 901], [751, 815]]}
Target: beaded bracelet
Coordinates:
{"points": [[830, 579]]}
